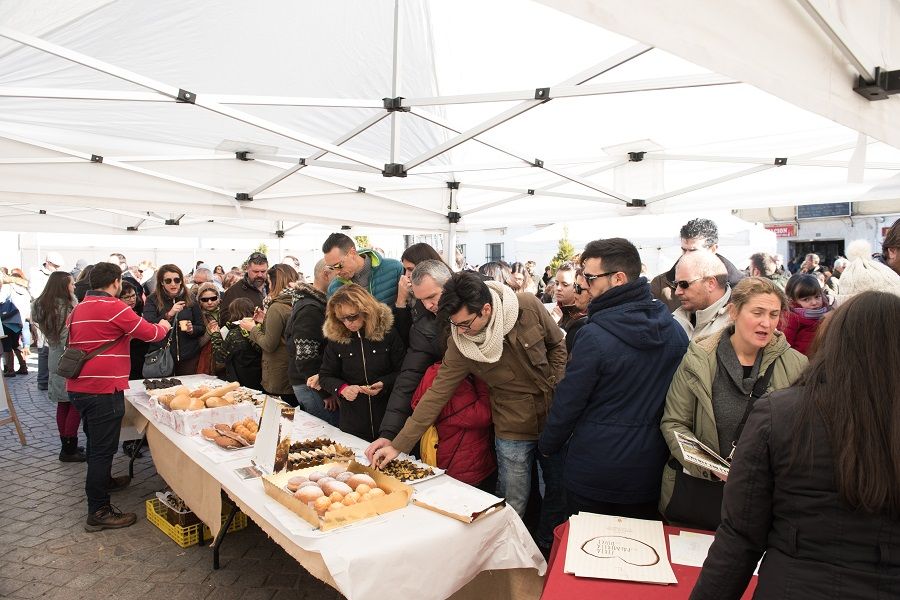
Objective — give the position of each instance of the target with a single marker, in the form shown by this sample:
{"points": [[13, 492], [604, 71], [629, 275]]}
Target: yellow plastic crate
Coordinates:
{"points": [[190, 535]]}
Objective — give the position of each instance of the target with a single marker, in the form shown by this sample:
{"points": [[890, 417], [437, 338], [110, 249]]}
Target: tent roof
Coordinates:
{"points": [[299, 88]]}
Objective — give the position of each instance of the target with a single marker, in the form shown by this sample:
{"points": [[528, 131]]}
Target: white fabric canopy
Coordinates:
{"points": [[298, 88]]}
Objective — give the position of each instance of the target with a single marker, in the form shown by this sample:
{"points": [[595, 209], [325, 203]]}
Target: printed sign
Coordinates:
{"points": [[783, 230]]}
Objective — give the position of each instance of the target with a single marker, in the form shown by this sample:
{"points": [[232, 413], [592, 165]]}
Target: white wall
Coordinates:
{"points": [[847, 229]]}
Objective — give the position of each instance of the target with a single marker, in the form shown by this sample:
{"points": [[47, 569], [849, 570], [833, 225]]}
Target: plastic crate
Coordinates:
{"points": [[190, 535]]}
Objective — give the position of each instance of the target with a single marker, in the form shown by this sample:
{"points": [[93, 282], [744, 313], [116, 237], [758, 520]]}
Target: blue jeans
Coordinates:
{"points": [[514, 460], [101, 415], [310, 401]]}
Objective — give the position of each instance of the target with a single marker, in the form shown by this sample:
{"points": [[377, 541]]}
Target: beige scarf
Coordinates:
{"points": [[487, 345]]}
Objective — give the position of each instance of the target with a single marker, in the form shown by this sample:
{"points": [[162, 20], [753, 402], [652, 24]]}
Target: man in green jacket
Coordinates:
{"points": [[510, 342], [365, 268]]}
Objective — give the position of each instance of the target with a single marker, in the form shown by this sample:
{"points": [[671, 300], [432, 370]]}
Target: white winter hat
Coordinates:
{"points": [[865, 274], [55, 258]]}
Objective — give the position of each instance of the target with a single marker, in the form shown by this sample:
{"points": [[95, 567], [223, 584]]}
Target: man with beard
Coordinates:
{"points": [[252, 286]]}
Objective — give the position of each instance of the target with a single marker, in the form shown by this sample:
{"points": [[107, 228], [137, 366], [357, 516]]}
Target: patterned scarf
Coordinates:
{"points": [[487, 345]]}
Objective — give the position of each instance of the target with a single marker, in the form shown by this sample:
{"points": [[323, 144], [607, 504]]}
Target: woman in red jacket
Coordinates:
{"points": [[465, 447]]}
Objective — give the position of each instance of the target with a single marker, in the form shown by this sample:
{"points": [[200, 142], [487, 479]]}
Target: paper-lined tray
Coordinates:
{"points": [[463, 503], [361, 459]]}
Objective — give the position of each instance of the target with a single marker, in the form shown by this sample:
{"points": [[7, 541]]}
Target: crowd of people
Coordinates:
{"points": [[561, 392]]}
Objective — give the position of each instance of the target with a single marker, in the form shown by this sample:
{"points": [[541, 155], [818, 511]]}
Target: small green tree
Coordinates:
{"points": [[565, 252], [262, 248], [362, 241]]}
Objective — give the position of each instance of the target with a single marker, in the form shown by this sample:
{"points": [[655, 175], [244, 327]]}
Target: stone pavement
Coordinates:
{"points": [[45, 552]]}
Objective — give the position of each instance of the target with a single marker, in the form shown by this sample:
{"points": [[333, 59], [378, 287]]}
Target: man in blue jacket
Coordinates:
{"points": [[364, 267], [611, 399]]}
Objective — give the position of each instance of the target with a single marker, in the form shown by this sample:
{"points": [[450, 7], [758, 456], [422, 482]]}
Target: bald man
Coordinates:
{"points": [[701, 285]]}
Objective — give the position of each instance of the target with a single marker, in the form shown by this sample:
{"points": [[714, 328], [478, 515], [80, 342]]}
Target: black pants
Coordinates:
{"points": [[647, 510], [101, 416], [43, 377]]}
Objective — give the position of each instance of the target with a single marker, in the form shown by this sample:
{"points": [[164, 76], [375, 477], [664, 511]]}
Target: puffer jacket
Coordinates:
{"points": [[689, 406], [463, 428], [800, 330], [184, 345], [269, 336], [383, 279], [521, 382], [352, 359]]}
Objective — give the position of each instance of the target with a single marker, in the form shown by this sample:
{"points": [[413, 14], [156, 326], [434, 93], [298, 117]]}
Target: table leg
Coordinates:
{"points": [[221, 536], [135, 448]]}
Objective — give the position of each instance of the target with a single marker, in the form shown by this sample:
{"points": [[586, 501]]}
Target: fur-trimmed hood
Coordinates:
{"points": [[335, 331]]}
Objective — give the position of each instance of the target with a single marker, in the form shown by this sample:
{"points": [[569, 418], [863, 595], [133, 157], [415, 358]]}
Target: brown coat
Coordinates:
{"points": [[241, 289], [270, 338], [521, 382]]}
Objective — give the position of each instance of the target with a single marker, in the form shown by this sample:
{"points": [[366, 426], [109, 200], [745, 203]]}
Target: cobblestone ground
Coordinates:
{"points": [[45, 552]]}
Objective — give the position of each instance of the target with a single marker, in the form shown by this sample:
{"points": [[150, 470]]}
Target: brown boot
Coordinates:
{"points": [[109, 517], [118, 483]]}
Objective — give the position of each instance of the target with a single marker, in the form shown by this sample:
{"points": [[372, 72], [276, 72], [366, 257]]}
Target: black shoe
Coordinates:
{"points": [[9, 374], [23, 370], [118, 483], [42, 387], [131, 448], [109, 517], [70, 451]]}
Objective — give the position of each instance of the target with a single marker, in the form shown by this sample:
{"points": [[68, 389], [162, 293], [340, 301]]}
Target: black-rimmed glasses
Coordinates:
{"points": [[465, 324]]}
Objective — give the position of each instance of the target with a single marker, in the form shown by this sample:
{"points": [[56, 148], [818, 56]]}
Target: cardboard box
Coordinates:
{"points": [[191, 422], [397, 495]]}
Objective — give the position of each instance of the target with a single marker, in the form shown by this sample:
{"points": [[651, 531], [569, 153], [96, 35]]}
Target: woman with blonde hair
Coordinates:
{"points": [[713, 390], [362, 359], [814, 483], [266, 330]]}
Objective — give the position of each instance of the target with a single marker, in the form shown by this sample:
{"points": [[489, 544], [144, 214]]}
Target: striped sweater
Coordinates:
{"points": [[96, 321]]}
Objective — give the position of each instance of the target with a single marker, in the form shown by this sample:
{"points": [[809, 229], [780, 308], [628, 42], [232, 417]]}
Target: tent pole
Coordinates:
{"points": [[395, 77]]}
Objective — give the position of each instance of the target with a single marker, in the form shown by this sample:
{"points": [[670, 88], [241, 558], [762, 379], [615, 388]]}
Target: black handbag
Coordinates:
{"points": [[73, 360], [697, 502], [159, 363]]}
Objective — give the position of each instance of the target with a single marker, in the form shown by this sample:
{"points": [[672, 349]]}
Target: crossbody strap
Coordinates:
{"points": [[759, 389], [96, 351]]}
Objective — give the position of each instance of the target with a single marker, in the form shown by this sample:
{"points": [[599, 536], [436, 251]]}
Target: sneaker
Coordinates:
{"points": [[109, 517], [118, 483]]}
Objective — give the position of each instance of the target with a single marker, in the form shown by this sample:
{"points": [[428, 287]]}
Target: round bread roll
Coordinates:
{"points": [[196, 404], [335, 486], [308, 494], [335, 506], [293, 483], [316, 475], [181, 390], [321, 504], [336, 470], [251, 437], [309, 483], [376, 492], [361, 478], [180, 403], [326, 479], [344, 476], [363, 488], [351, 498]]}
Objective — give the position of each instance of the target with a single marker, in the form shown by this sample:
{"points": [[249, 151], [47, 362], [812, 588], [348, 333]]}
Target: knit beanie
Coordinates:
{"points": [[865, 274]]}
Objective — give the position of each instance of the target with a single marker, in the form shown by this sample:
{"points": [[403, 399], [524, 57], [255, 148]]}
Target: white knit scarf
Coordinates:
{"points": [[487, 345]]}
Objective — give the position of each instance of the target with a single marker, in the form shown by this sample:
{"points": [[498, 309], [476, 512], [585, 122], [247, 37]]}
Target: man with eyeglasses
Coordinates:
{"points": [[702, 288], [608, 407], [366, 268], [697, 235], [252, 286], [510, 342]]}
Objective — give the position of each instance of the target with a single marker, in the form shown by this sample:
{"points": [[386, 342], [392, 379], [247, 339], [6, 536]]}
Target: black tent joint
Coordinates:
{"points": [[243, 155], [394, 104], [42, 212], [453, 185], [453, 216], [538, 163], [361, 190], [637, 203], [780, 162], [96, 158], [243, 197], [542, 94], [394, 170], [885, 85], [279, 233], [131, 228], [636, 156], [186, 96], [531, 192]]}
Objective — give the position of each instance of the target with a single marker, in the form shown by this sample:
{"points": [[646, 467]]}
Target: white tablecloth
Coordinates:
{"points": [[409, 553]]}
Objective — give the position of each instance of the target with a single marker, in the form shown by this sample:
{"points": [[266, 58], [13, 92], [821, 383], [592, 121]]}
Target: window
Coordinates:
{"points": [[493, 252]]}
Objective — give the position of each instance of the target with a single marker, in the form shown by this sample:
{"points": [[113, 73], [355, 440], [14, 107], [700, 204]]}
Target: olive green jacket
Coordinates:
{"points": [[689, 401]]}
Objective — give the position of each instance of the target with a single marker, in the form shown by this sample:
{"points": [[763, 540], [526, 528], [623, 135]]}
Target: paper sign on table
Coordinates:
{"points": [[690, 550], [698, 453], [608, 547], [267, 437], [463, 503]]}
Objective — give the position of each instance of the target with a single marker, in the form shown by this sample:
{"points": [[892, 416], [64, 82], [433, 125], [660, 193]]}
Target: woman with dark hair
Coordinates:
{"points": [[83, 283], [498, 271], [132, 295], [266, 329], [50, 311], [171, 301], [814, 482], [362, 359], [520, 280]]}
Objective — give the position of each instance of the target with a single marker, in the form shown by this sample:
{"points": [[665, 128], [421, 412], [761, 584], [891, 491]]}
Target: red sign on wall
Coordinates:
{"points": [[783, 230]]}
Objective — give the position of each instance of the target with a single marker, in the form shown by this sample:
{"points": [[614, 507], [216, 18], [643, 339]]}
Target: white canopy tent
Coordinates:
{"points": [[234, 120]]}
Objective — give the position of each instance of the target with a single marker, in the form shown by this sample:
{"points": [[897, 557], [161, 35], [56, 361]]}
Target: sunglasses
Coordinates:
{"points": [[465, 324], [169, 280], [684, 283], [209, 299], [336, 266], [349, 318], [590, 278]]}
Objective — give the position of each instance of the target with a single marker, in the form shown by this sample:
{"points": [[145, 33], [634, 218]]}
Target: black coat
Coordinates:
{"points": [[426, 347], [183, 345], [361, 361], [242, 359], [815, 547]]}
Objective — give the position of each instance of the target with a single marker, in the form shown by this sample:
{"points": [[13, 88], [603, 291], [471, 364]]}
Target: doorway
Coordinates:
{"points": [[828, 251]]}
